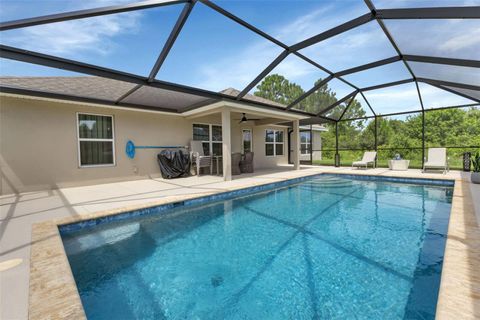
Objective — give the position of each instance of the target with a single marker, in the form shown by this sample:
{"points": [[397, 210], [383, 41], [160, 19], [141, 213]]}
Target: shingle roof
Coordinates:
{"points": [[84, 86], [104, 89], [112, 90], [234, 93]]}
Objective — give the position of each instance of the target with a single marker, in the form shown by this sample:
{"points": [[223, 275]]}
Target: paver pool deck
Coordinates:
{"points": [[42, 286]]}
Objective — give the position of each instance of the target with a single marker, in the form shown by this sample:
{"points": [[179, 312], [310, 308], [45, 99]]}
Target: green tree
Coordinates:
{"points": [[320, 99], [277, 88], [350, 132], [355, 110], [452, 127]]}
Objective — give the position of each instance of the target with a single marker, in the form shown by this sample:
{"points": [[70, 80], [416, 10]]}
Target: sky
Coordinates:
{"points": [[214, 53]]}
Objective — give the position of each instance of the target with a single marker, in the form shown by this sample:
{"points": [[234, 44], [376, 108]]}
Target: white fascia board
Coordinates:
{"points": [[88, 104], [240, 107], [235, 106]]}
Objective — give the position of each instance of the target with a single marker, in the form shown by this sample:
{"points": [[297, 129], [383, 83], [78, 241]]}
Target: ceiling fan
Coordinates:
{"points": [[244, 118]]}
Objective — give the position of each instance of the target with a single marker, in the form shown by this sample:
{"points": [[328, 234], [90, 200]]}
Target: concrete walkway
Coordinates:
{"points": [[18, 212]]}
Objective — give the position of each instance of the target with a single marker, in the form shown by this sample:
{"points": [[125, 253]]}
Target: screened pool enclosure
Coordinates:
{"points": [[393, 76]]}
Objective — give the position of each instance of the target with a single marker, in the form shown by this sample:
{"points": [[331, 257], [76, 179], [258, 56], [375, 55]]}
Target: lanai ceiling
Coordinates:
{"points": [[393, 57]]}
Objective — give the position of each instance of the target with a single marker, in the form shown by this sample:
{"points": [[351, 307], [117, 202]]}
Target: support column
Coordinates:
{"points": [[226, 145], [311, 145], [296, 144], [423, 138], [376, 140], [337, 155]]}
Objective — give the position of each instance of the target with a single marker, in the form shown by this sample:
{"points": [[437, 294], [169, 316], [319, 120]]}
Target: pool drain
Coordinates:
{"points": [[216, 281]]}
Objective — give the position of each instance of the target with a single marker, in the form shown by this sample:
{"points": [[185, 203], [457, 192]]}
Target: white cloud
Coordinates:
{"points": [[236, 70], [362, 45], [394, 99], [468, 40], [296, 69], [301, 28], [325, 17], [76, 37], [451, 38], [239, 69], [433, 97], [467, 75], [381, 4]]}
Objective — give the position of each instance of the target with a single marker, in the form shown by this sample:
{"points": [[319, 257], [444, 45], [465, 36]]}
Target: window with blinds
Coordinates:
{"points": [[95, 140]]}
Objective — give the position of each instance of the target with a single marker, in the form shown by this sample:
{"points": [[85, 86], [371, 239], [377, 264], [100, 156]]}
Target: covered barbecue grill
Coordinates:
{"points": [[174, 163]]}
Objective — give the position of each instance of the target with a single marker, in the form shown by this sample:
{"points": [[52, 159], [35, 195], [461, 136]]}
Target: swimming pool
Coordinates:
{"points": [[328, 247]]}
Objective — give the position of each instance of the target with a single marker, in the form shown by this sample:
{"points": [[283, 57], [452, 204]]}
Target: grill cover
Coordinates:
{"points": [[174, 163]]}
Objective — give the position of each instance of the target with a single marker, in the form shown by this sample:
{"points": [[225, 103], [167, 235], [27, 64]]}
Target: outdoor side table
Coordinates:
{"points": [[398, 165]]}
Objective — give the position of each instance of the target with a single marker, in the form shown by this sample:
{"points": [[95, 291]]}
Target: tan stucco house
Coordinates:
{"points": [[43, 144]]}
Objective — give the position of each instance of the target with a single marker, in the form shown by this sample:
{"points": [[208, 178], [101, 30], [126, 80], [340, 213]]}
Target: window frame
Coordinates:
{"points": [[308, 144], [112, 140], [210, 136], [274, 142], [251, 139]]}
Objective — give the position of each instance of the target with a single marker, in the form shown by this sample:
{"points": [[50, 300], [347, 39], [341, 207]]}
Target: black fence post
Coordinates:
{"points": [[311, 144], [337, 156], [376, 141]]}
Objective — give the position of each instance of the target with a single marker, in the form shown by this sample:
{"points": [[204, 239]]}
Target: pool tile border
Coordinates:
{"points": [[72, 227], [199, 200], [54, 295]]}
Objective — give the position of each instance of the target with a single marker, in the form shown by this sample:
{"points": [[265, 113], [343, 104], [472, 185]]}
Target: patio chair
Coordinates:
{"points": [[246, 165], [236, 158], [199, 159], [368, 157], [437, 159]]}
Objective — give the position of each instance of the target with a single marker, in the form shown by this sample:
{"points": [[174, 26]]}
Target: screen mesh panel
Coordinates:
{"points": [[364, 44], [383, 4], [14, 10], [470, 93], [449, 38], [358, 109], [388, 73], [337, 112], [466, 75], [129, 41], [394, 99], [325, 96], [433, 97], [212, 52], [293, 76], [295, 21]]}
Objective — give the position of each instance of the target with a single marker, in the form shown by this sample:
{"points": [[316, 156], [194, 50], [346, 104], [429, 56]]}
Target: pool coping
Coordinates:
{"points": [[69, 227], [53, 293]]}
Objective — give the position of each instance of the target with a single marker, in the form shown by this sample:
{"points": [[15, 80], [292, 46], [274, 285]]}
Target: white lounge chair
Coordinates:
{"points": [[437, 160], [198, 156], [368, 157]]}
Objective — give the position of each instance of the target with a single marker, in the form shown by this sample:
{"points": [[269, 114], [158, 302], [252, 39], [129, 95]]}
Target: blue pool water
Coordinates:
{"points": [[329, 247]]}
